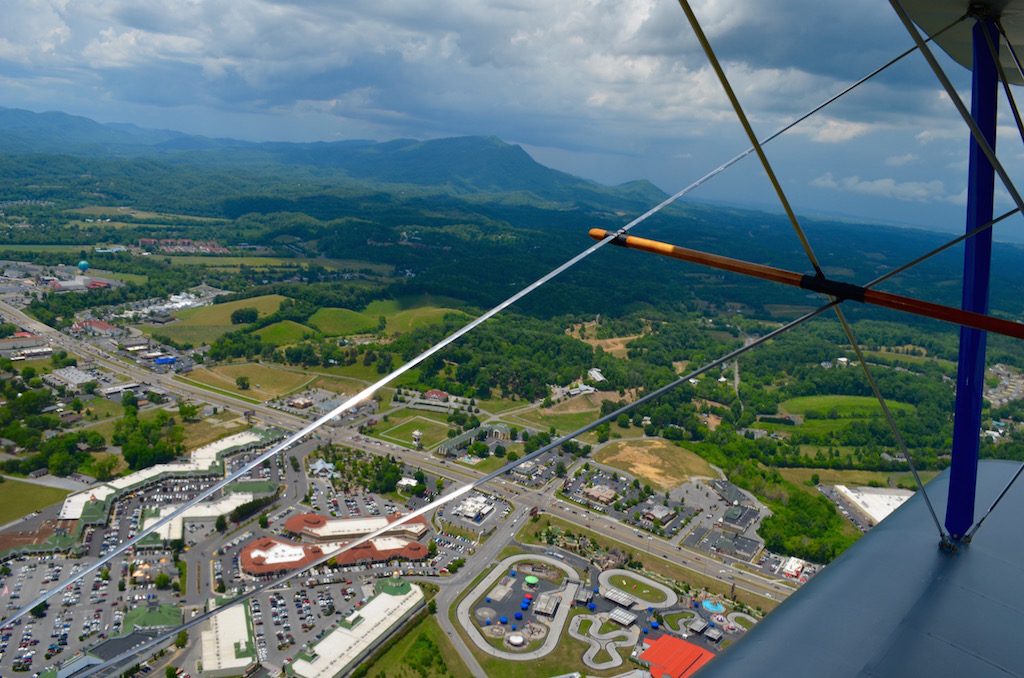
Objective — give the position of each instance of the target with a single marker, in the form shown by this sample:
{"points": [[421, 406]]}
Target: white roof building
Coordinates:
{"points": [[228, 648], [357, 635], [203, 512], [200, 461], [875, 503]]}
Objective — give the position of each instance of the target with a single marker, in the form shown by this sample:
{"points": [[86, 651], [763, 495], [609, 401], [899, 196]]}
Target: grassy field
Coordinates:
{"points": [[911, 359], [284, 332], [844, 406], [213, 428], [18, 498], [499, 405], [486, 465], [265, 381], [203, 325], [401, 658], [123, 277], [802, 477], [337, 322], [565, 422], [165, 615], [404, 322], [409, 313], [638, 589], [659, 462], [433, 432]]}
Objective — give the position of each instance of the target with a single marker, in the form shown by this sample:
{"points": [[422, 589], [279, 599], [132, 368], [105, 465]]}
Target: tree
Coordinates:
{"points": [[439, 485], [222, 524], [162, 581], [815, 479], [432, 606], [188, 411], [77, 405], [244, 316], [170, 672], [39, 611], [264, 521], [623, 420], [242, 383], [181, 640]]}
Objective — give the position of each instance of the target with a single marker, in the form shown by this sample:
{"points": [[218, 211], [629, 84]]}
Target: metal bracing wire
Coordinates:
{"points": [[811, 256], [366, 393], [1005, 82], [461, 491], [976, 132], [611, 416], [709, 52]]}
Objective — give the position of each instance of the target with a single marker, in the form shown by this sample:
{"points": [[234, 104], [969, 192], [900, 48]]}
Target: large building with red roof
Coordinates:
{"points": [[321, 528], [671, 657], [269, 555]]}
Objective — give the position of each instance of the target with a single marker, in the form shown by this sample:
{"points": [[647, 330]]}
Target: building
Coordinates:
{"points": [[618, 597], [203, 512], [71, 378], [320, 528], [203, 461], [659, 513], [793, 567], [228, 647], [361, 633], [739, 518], [602, 494], [547, 603], [268, 555], [322, 469], [594, 374], [8, 345], [622, 617], [874, 504], [96, 328], [436, 395], [670, 657], [476, 507]]}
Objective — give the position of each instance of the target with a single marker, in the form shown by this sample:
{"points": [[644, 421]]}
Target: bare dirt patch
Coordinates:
{"points": [[658, 461]]}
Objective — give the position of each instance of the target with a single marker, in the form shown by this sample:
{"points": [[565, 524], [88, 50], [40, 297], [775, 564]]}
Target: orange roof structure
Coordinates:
{"points": [[671, 657]]}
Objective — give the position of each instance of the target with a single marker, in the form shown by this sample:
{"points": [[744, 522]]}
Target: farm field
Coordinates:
{"points": [[415, 318], [337, 322], [284, 332], [659, 462], [19, 498], [266, 382], [205, 324]]}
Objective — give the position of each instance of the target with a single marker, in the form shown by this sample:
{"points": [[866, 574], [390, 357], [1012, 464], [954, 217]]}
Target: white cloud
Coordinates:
{"points": [[912, 191], [901, 160]]}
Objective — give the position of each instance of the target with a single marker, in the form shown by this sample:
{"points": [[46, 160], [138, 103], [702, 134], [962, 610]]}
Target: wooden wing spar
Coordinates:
{"points": [[834, 288]]}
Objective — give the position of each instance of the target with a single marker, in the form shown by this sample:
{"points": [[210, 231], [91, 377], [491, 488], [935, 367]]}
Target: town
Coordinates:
{"points": [[600, 554]]}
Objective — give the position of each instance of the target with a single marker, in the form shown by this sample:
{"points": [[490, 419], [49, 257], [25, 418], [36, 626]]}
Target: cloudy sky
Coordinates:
{"points": [[608, 89]]}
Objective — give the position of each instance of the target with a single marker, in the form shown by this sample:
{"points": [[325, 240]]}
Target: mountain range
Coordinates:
{"points": [[460, 165]]}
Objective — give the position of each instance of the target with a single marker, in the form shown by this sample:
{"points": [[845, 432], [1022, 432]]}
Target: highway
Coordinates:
{"points": [[771, 589]]}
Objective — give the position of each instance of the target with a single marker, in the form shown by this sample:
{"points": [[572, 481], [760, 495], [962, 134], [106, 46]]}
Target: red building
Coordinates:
{"points": [[671, 657]]}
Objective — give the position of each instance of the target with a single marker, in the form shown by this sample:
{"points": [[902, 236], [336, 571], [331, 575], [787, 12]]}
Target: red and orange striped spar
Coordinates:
{"points": [[840, 290]]}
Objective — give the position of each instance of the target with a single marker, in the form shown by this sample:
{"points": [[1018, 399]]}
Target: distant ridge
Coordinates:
{"points": [[459, 165]]}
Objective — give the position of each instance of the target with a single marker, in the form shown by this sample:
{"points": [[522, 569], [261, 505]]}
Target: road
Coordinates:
{"points": [[522, 498]]}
